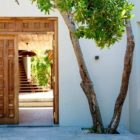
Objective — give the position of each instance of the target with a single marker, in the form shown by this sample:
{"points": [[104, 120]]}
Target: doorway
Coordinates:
{"points": [[34, 98], [36, 78]]}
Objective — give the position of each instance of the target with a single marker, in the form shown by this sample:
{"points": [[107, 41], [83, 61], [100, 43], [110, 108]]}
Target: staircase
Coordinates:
{"points": [[25, 84]]}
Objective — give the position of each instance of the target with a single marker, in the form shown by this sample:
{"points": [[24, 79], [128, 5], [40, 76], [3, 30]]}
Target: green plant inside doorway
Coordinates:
{"points": [[41, 68]]}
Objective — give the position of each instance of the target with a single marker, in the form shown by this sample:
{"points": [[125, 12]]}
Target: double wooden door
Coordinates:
{"points": [[8, 80]]}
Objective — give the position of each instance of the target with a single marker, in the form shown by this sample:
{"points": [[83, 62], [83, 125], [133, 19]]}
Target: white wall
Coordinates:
{"points": [[105, 72], [27, 66], [134, 87]]}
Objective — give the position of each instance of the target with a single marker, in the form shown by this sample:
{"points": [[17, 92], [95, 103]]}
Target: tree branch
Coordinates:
{"points": [[17, 2]]}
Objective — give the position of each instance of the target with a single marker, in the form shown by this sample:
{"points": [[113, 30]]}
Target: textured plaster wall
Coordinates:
{"points": [[134, 86]]}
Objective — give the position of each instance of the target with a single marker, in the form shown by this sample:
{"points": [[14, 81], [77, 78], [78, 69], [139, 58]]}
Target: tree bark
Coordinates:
{"points": [[17, 2], [125, 79], [86, 82]]}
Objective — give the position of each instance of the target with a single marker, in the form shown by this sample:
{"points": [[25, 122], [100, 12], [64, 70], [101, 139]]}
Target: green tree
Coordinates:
{"points": [[104, 21], [41, 70]]}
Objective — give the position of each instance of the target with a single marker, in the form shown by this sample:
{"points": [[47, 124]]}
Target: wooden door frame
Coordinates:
{"points": [[9, 25]]}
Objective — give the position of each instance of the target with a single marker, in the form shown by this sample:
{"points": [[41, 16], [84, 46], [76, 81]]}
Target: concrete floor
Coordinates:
{"points": [[37, 124], [56, 133], [36, 116], [37, 96]]}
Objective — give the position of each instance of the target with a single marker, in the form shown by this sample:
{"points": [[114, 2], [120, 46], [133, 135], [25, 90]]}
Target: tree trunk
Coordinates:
{"points": [[125, 79], [86, 82], [17, 2]]}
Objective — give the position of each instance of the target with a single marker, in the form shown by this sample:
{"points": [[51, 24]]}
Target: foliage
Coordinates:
{"points": [[101, 20], [44, 4], [41, 69]]}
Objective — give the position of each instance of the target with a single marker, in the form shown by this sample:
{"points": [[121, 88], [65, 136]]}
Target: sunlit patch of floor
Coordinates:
{"points": [[38, 95], [40, 99]]}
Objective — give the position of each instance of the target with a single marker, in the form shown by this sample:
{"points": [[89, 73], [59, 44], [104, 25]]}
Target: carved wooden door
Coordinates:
{"points": [[8, 80]]}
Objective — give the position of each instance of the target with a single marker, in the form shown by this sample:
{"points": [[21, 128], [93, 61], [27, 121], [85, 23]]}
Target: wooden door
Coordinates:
{"points": [[9, 62], [8, 80]]}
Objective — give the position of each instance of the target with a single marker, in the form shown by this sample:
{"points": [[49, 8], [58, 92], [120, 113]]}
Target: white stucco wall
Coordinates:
{"points": [[27, 66], [105, 72], [134, 86]]}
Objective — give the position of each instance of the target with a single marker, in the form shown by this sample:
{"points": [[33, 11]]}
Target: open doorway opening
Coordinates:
{"points": [[36, 72]]}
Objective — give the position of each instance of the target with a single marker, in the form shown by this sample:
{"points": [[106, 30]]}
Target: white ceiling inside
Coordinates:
{"points": [[35, 41]]}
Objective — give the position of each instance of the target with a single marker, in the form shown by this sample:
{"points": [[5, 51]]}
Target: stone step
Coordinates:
{"points": [[36, 104], [36, 100]]}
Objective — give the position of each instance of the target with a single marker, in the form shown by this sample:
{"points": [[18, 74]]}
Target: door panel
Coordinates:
{"points": [[8, 80]]}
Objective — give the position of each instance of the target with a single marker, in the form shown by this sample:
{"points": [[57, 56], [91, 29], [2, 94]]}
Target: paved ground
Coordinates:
{"points": [[36, 116], [38, 95], [56, 133], [137, 137]]}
